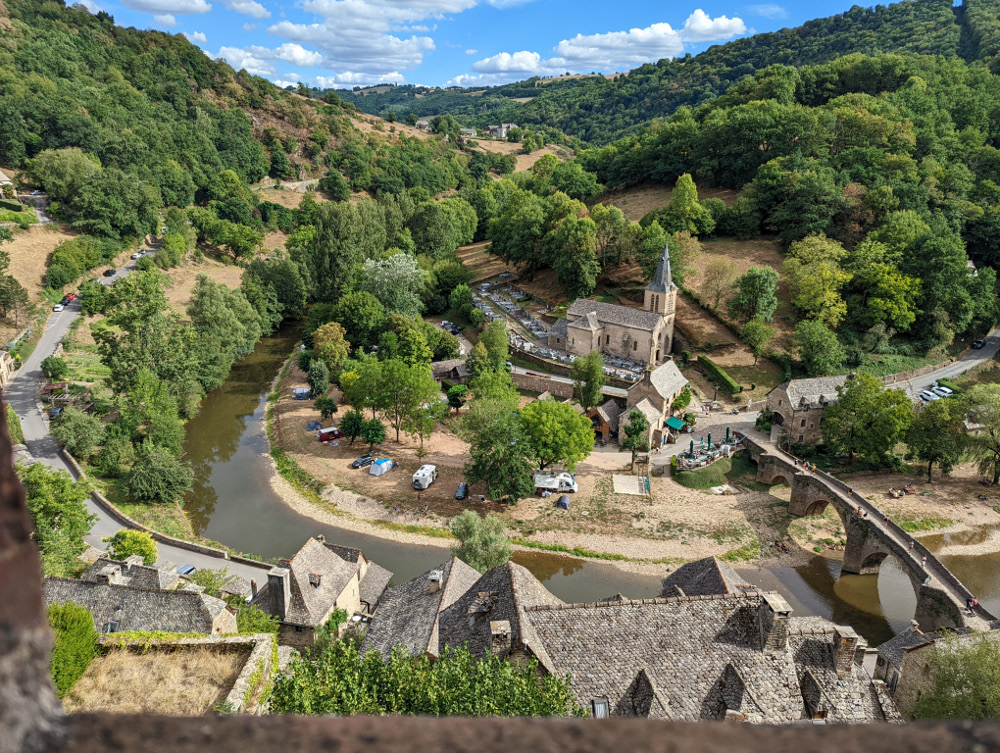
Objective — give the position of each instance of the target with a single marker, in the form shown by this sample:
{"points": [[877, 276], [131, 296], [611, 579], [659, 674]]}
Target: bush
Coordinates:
{"points": [[55, 368], [158, 476], [719, 375], [127, 542], [145, 264], [78, 432], [75, 644], [14, 427]]}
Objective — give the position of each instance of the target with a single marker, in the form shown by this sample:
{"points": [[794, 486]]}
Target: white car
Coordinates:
{"points": [[927, 396], [58, 307], [137, 255], [941, 391]]}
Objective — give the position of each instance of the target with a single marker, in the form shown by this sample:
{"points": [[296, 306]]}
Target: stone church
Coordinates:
{"points": [[641, 335]]}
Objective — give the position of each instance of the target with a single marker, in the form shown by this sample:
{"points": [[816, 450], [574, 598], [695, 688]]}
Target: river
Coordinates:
{"points": [[232, 502]]}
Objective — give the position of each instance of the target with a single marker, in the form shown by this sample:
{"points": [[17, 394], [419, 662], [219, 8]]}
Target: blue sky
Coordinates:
{"points": [[343, 43]]}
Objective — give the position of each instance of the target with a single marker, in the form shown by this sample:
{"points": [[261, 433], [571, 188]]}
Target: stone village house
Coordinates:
{"points": [[303, 592], [734, 655], [652, 396]]}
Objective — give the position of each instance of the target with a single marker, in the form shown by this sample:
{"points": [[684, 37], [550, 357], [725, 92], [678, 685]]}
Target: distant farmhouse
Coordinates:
{"points": [[641, 335], [501, 131], [730, 652], [303, 592]]}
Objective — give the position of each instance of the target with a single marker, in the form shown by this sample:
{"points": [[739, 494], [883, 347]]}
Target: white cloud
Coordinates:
{"points": [[283, 84], [249, 26], [248, 8], [168, 7], [518, 62], [471, 52], [618, 49], [357, 78], [258, 60], [701, 28], [91, 6], [768, 10], [240, 58], [196, 37], [165, 20], [291, 53]]}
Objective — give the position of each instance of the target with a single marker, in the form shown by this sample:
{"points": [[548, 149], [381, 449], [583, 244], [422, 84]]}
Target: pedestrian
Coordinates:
{"points": [[923, 562], [850, 492], [911, 545], [968, 605], [885, 520]]}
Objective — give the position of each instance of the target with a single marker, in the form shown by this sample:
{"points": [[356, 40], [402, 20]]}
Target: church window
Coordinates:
{"points": [[607, 339], [635, 345]]}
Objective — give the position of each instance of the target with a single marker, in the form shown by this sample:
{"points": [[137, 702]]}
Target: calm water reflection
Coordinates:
{"points": [[232, 502]]}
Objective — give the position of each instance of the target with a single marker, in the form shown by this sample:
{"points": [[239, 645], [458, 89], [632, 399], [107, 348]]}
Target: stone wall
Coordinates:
{"points": [[538, 383]]}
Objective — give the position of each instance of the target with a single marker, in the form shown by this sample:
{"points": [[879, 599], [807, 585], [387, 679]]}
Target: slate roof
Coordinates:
{"points": [[667, 379], [587, 322], [699, 658], [662, 281], [611, 414], [500, 594], [145, 609], [609, 313], [408, 614], [310, 604], [134, 573], [650, 411], [559, 329], [442, 369], [373, 585], [703, 578], [813, 393], [894, 648]]}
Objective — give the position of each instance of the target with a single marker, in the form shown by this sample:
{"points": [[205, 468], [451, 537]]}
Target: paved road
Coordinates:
{"points": [[43, 447], [973, 359]]}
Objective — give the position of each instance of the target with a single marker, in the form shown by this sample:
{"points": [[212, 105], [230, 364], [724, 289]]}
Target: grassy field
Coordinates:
{"points": [[85, 365], [638, 201], [736, 470]]}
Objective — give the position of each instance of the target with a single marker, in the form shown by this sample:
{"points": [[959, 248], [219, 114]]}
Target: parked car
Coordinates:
{"points": [[979, 343], [463, 491], [928, 396], [325, 435], [55, 412], [456, 331], [109, 273], [58, 307], [187, 570], [941, 391], [364, 461], [70, 297]]}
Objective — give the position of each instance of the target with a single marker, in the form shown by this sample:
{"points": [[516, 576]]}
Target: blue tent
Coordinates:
{"points": [[563, 502], [380, 466], [314, 426], [301, 393]]}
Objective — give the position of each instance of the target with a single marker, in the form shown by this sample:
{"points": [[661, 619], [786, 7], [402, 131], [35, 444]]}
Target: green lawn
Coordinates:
{"points": [[85, 365], [739, 469]]}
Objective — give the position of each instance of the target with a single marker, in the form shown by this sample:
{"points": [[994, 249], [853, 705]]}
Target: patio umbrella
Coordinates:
{"points": [[727, 435], [691, 453], [710, 441]]}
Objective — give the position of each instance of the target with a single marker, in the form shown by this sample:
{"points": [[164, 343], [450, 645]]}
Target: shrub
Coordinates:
{"points": [[75, 644], [158, 476], [127, 542], [14, 427], [78, 432], [719, 375], [55, 368]]}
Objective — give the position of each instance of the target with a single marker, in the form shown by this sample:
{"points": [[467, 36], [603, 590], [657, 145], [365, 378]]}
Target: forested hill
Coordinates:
{"points": [[158, 114], [598, 109]]}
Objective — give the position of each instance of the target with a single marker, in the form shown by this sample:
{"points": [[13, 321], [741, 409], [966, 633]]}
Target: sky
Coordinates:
{"points": [[346, 43]]}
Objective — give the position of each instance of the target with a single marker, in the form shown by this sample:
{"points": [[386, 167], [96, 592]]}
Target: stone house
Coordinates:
{"points": [[453, 370], [408, 614], [653, 395], [501, 131], [303, 592], [638, 334], [118, 608], [605, 419], [132, 572]]}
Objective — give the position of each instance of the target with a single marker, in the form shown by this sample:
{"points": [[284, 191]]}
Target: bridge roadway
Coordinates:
{"points": [[941, 597]]}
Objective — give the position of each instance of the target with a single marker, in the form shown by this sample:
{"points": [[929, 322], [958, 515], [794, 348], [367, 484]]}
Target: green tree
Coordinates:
{"points": [[158, 476], [75, 644], [495, 385], [682, 401], [483, 540], [326, 406], [717, 280], [756, 295], [938, 434], [63, 172], [58, 510], [757, 335], [819, 348], [362, 316], [55, 368], [964, 679], [588, 378], [984, 445], [373, 432], [556, 433], [251, 620], [685, 212], [868, 420], [127, 542], [351, 424], [816, 278], [494, 340], [636, 437], [457, 396], [499, 454], [318, 377], [574, 248], [403, 392], [330, 345], [78, 432], [397, 281]]}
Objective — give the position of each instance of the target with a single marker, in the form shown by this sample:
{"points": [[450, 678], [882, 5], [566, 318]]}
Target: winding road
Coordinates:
{"points": [[43, 447]]}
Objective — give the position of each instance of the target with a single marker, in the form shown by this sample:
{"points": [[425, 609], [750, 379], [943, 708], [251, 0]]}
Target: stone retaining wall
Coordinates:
{"points": [[538, 383]]}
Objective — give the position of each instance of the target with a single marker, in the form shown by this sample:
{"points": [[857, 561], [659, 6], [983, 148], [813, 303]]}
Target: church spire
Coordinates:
{"points": [[662, 282]]}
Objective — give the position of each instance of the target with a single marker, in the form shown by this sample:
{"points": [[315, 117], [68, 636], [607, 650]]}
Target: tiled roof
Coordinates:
{"points": [[650, 411], [141, 609], [407, 615], [373, 584], [587, 322], [498, 595], [810, 393], [444, 368], [611, 413], [667, 379], [134, 573], [559, 329], [698, 658], [703, 578], [609, 313]]}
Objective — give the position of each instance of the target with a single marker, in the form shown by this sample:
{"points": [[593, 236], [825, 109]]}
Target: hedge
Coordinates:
{"points": [[14, 427], [11, 206], [75, 646], [716, 372]]}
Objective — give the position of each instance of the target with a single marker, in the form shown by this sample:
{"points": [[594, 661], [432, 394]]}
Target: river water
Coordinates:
{"points": [[232, 502]]}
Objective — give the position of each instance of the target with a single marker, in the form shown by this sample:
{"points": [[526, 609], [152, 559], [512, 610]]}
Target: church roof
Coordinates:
{"points": [[588, 322], [662, 281], [609, 313]]}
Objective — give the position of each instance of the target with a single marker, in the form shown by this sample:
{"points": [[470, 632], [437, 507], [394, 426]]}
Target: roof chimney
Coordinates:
{"points": [[845, 645], [279, 587], [773, 620], [500, 638], [434, 580], [320, 538], [110, 574]]}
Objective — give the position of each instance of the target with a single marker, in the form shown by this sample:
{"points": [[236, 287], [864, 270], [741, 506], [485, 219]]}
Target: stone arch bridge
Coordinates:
{"points": [[941, 597]]}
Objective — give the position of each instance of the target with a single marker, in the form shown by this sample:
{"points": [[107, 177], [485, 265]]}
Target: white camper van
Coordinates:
{"points": [[424, 477], [556, 482]]}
